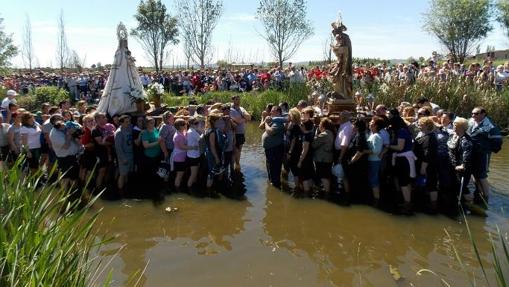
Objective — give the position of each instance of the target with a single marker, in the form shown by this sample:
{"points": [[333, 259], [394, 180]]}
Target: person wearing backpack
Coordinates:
{"points": [[479, 129]]}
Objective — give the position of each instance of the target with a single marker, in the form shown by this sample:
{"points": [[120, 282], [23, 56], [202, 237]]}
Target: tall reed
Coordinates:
{"points": [[45, 238]]}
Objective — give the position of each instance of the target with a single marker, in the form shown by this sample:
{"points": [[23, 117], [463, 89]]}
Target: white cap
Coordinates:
{"points": [[11, 93]]}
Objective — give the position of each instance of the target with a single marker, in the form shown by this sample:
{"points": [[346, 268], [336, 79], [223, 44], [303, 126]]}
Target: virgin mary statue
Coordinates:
{"points": [[123, 87]]}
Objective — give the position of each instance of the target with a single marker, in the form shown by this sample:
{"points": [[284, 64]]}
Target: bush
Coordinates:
{"points": [[48, 94]]}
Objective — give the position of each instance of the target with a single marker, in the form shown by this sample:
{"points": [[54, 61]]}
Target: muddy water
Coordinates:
{"points": [[272, 239]]}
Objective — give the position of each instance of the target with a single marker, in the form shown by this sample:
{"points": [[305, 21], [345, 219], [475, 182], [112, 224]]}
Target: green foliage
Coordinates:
{"points": [[253, 102], [459, 24], [45, 239], [156, 29], [285, 26], [456, 95], [7, 48], [34, 100], [503, 14]]}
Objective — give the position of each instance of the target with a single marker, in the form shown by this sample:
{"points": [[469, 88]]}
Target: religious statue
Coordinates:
{"points": [[123, 91], [340, 73]]}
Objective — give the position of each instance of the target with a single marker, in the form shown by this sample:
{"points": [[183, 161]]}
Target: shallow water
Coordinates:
{"points": [[272, 239]]}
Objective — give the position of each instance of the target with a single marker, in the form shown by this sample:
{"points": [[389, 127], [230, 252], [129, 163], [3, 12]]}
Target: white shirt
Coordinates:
{"points": [[58, 140], [500, 77], [6, 102], [193, 139], [344, 135], [33, 136]]}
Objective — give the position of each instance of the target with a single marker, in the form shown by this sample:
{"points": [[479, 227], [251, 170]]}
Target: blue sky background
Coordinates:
{"points": [[389, 29]]}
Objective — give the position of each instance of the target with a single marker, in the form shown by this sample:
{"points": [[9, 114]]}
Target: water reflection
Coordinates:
{"points": [[269, 238], [357, 244], [204, 226]]}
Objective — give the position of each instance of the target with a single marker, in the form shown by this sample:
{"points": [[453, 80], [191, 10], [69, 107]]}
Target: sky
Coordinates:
{"points": [[389, 29]]}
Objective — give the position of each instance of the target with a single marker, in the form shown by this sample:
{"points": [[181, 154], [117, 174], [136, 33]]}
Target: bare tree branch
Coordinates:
{"points": [[62, 52], [27, 51], [198, 19]]}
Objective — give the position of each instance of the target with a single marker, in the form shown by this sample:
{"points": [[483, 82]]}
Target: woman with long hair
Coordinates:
{"points": [[403, 160], [295, 146]]}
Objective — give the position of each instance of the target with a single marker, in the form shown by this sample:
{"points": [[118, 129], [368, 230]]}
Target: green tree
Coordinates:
{"points": [[459, 25], [7, 48], [156, 30], [503, 14], [285, 25], [198, 19]]}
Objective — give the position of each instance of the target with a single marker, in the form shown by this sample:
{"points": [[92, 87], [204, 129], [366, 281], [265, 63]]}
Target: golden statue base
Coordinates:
{"points": [[336, 106]]}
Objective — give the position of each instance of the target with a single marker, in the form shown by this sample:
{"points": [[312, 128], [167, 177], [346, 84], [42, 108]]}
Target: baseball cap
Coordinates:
{"points": [[11, 93]]}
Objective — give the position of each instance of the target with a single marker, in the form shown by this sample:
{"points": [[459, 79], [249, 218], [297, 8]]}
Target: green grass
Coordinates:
{"points": [[45, 238]]}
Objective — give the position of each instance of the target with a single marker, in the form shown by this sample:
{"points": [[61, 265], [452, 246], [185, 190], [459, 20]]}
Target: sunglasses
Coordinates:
{"points": [[475, 114]]}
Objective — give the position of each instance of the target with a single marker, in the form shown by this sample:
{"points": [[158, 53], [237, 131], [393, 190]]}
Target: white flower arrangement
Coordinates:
{"points": [[155, 91], [156, 88]]}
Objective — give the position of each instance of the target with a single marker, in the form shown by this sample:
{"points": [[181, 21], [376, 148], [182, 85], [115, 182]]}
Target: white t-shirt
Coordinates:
{"points": [[33, 136], [344, 135], [6, 102], [193, 139]]}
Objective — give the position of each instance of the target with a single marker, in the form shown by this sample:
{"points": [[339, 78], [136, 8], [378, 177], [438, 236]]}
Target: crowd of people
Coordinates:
{"points": [[405, 158], [484, 75], [410, 155], [88, 85], [197, 149]]}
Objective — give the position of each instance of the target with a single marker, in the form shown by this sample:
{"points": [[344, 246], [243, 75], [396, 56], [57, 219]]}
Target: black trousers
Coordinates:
{"points": [[274, 161]]}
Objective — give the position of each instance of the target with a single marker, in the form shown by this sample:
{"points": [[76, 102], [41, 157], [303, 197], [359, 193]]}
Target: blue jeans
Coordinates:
{"points": [[274, 161]]}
